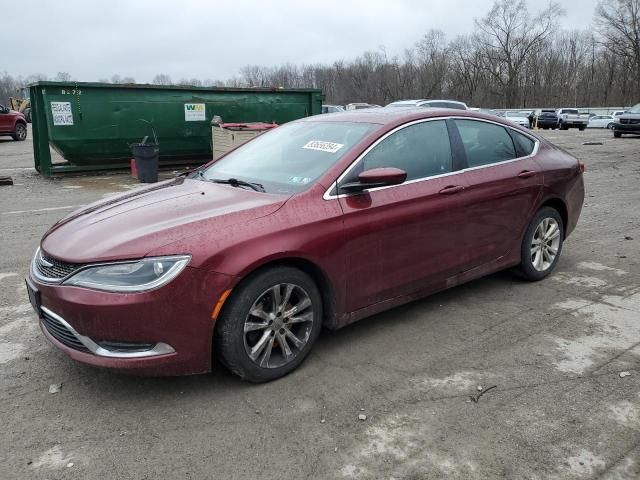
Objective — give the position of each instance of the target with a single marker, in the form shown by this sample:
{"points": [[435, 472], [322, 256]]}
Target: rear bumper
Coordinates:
{"points": [[172, 324], [574, 202]]}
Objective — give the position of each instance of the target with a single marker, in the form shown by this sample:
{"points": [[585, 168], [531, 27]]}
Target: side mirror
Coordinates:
{"points": [[376, 177]]}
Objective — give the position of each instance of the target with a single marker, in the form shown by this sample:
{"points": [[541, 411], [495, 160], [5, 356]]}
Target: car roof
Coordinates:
{"points": [[397, 116], [407, 102]]}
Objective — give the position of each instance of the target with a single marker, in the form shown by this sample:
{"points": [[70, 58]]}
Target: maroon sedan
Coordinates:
{"points": [[322, 221]]}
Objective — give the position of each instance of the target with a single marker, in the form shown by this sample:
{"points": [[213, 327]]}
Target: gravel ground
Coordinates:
{"points": [[554, 349]]}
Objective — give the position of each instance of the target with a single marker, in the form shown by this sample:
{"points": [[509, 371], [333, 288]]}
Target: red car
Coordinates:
{"points": [[322, 221], [13, 124]]}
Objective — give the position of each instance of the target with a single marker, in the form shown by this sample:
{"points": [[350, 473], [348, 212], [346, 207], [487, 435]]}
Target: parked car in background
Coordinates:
{"points": [[359, 106], [546, 120], [13, 124], [430, 103], [628, 122], [601, 121], [321, 221], [617, 113], [571, 118], [519, 118], [332, 108]]}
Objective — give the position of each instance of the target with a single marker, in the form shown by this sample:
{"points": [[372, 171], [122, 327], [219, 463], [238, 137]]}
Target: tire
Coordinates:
{"points": [[27, 114], [616, 134], [536, 266], [233, 346], [610, 126], [562, 126], [20, 133], [581, 128]]}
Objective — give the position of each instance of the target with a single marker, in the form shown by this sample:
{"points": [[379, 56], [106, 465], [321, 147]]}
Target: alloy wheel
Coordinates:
{"points": [[21, 132], [278, 325], [545, 244]]}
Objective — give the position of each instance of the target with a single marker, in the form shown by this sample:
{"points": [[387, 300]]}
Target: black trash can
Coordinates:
{"points": [[147, 157]]}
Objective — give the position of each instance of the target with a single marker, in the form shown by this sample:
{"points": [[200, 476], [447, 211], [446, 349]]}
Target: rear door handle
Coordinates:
{"points": [[451, 189], [526, 174]]}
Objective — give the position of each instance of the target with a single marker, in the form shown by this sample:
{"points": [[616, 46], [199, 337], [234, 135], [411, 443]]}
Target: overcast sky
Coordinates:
{"points": [[214, 39]]}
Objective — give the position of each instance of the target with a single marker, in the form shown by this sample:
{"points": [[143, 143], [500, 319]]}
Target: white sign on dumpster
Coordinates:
{"points": [[61, 112], [194, 112]]}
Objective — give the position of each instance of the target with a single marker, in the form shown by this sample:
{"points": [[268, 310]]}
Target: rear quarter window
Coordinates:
{"points": [[485, 143], [524, 145]]}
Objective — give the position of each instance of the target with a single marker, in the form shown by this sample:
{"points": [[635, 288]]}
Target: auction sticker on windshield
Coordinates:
{"points": [[328, 147]]}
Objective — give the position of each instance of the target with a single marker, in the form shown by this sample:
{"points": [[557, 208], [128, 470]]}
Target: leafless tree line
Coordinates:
{"points": [[512, 59]]}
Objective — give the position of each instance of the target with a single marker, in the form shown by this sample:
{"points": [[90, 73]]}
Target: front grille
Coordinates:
{"points": [[58, 269], [630, 121], [62, 333]]}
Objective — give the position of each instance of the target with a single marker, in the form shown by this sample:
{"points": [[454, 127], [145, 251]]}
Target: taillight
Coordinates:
{"points": [[581, 166]]}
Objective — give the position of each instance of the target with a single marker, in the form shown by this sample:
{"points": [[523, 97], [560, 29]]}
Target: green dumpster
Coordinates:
{"points": [[91, 125]]}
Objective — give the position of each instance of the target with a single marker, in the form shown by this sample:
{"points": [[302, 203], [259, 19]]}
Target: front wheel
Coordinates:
{"points": [[20, 133], [269, 325], [541, 245]]}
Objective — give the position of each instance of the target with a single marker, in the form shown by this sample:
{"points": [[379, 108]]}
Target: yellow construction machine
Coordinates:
{"points": [[22, 104]]}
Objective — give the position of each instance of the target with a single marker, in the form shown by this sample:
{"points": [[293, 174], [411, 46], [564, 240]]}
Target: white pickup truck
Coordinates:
{"points": [[570, 117]]}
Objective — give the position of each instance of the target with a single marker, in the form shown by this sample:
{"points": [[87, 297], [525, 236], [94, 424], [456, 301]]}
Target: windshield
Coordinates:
{"points": [[288, 159], [635, 109]]}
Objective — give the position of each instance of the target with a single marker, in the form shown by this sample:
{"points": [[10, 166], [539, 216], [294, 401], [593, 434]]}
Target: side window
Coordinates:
{"points": [[524, 145], [485, 143], [421, 150]]}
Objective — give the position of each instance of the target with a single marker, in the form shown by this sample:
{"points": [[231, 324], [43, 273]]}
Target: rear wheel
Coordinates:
{"points": [[610, 126], [541, 245], [269, 325], [20, 133], [581, 128]]}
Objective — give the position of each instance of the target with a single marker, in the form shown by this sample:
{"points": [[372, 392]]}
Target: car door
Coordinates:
{"points": [[401, 238], [503, 182], [5, 119]]}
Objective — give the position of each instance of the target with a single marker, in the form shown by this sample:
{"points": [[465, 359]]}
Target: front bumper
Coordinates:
{"points": [[627, 127], [167, 331]]}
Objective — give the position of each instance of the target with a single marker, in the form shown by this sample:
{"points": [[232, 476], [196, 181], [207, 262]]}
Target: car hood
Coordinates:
{"points": [[130, 225]]}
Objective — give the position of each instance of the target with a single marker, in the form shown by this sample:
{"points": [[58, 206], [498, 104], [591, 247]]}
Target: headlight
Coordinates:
{"points": [[135, 276]]}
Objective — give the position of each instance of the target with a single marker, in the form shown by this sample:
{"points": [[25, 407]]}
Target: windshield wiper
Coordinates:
{"points": [[234, 182]]}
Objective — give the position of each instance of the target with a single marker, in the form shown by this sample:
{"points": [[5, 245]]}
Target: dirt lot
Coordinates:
{"points": [[554, 349]]}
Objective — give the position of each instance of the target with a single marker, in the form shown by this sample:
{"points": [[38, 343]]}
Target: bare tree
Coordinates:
{"points": [[508, 35], [63, 77], [161, 79], [618, 23]]}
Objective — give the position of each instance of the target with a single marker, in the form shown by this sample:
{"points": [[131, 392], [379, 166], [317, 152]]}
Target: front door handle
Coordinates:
{"points": [[451, 189], [526, 174]]}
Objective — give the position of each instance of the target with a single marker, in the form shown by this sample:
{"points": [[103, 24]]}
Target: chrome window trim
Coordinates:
{"points": [[327, 194], [158, 349]]}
